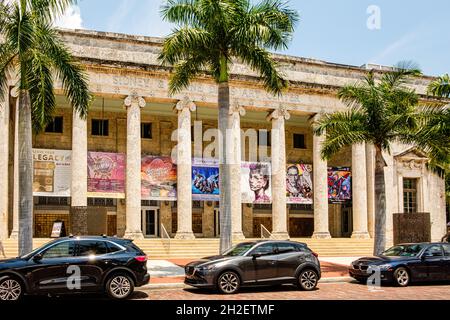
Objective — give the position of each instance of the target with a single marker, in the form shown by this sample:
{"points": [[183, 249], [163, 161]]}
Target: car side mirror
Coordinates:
{"points": [[256, 255], [37, 257]]}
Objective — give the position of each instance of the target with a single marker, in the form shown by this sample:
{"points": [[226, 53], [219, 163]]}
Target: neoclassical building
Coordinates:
{"points": [[115, 162]]}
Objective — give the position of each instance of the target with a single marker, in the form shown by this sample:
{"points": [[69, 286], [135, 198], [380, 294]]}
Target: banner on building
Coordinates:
{"points": [[256, 182], [158, 178], [339, 184], [106, 175], [51, 172], [299, 186], [205, 180]]}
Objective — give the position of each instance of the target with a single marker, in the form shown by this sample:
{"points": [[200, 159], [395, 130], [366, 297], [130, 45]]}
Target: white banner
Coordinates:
{"points": [[51, 172]]}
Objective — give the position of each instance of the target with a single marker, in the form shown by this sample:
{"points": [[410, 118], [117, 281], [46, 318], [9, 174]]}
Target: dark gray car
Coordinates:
{"points": [[256, 263]]}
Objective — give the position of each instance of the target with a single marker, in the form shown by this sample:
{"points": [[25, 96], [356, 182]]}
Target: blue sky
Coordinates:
{"points": [[331, 30]]}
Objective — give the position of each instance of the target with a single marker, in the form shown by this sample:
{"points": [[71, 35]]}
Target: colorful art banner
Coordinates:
{"points": [[256, 182], [106, 175], [205, 180], [339, 184], [158, 178], [52, 172], [299, 186]]}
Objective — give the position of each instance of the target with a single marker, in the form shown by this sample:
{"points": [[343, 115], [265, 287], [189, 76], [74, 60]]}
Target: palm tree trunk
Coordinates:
{"points": [[25, 175], [224, 168], [380, 203]]}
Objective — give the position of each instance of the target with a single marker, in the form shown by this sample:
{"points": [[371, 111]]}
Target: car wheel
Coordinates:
{"points": [[119, 286], [401, 277], [228, 282], [11, 289], [361, 280], [307, 280]]}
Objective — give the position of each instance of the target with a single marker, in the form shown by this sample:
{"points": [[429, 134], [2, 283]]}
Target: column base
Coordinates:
{"points": [[321, 235], [14, 235], [78, 221], [185, 235], [360, 235], [280, 236], [238, 236], [134, 235]]}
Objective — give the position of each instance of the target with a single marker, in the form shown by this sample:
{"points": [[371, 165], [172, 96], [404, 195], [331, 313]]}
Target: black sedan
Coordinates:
{"points": [[76, 265], [406, 263], [256, 263]]}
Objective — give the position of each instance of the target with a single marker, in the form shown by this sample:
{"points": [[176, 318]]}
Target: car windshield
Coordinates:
{"points": [[240, 249], [404, 251]]}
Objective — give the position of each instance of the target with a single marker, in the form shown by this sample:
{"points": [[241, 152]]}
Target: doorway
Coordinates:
{"points": [[150, 222], [216, 222], [347, 222]]}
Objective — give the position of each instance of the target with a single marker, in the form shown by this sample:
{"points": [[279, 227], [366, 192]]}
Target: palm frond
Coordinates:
{"points": [[184, 72], [402, 71], [49, 10], [440, 87], [182, 12]]}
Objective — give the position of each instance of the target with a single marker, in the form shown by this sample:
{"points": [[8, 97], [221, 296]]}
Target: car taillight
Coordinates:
{"points": [[141, 258], [315, 254]]}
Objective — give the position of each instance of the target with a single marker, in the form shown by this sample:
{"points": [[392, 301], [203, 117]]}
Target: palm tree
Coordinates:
{"points": [[33, 53], [211, 34], [440, 87], [380, 112]]}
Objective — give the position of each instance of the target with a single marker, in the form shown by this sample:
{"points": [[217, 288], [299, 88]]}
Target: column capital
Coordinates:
{"points": [[185, 103], [134, 98], [236, 108], [281, 112]]}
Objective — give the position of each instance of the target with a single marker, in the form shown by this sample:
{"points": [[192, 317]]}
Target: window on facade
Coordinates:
{"points": [[49, 201], [146, 130], [102, 202], [409, 195], [56, 126], [264, 138], [299, 141], [100, 127]]}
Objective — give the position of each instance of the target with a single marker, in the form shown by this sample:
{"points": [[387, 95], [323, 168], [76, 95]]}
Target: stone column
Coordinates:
{"points": [[320, 185], [184, 169], [133, 229], [78, 189], [15, 229], [278, 156], [236, 112], [370, 163], [359, 191], [4, 164]]}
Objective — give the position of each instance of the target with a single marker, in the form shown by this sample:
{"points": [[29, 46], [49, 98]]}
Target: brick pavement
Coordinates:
{"points": [[325, 291]]}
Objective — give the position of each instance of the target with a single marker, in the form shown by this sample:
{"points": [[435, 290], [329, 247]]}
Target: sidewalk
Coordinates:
{"points": [[170, 273]]}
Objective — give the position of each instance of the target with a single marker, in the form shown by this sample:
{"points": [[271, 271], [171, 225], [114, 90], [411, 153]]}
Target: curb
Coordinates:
{"points": [[180, 285]]}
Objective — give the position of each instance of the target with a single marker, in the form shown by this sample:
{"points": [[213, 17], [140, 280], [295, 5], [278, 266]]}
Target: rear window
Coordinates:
{"points": [[287, 247], [446, 248], [133, 248], [113, 247], [87, 248]]}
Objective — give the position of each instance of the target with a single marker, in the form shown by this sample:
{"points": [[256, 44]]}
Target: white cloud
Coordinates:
{"points": [[71, 19]]}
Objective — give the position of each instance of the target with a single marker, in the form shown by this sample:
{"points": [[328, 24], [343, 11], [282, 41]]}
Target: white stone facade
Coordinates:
{"points": [[124, 71]]}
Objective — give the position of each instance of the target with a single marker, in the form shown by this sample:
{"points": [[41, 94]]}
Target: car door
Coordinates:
{"points": [[434, 261], [446, 248], [92, 260], [49, 274], [288, 259], [265, 262]]}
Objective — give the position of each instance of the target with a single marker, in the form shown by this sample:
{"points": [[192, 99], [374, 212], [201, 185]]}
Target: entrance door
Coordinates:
{"points": [[216, 222], [150, 222], [347, 222]]}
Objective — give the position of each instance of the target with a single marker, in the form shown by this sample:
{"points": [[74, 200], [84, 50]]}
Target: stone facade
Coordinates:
{"points": [[131, 87]]}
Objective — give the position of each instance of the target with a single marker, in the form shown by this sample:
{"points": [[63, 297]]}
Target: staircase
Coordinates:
{"points": [[197, 248]]}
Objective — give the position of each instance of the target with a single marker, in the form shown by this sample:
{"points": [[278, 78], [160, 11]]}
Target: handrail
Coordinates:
{"points": [[265, 234], [165, 237]]}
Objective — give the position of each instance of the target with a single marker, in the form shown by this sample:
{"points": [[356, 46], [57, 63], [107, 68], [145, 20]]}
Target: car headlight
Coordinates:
{"points": [[206, 268], [383, 267]]}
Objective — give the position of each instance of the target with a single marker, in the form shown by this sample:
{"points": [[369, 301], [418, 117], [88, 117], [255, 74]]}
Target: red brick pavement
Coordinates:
{"points": [[325, 291]]}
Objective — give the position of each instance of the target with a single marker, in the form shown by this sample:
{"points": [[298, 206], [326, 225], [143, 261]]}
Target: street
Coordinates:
{"points": [[325, 291]]}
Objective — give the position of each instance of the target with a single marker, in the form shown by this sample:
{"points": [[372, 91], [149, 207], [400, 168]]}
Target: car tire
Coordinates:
{"points": [[307, 280], [361, 280], [11, 289], [228, 282], [401, 277], [119, 286]]}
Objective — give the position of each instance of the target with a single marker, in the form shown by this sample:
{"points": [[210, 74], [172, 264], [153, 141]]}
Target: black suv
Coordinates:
{"points": [[76, 265], [256, 263]]}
